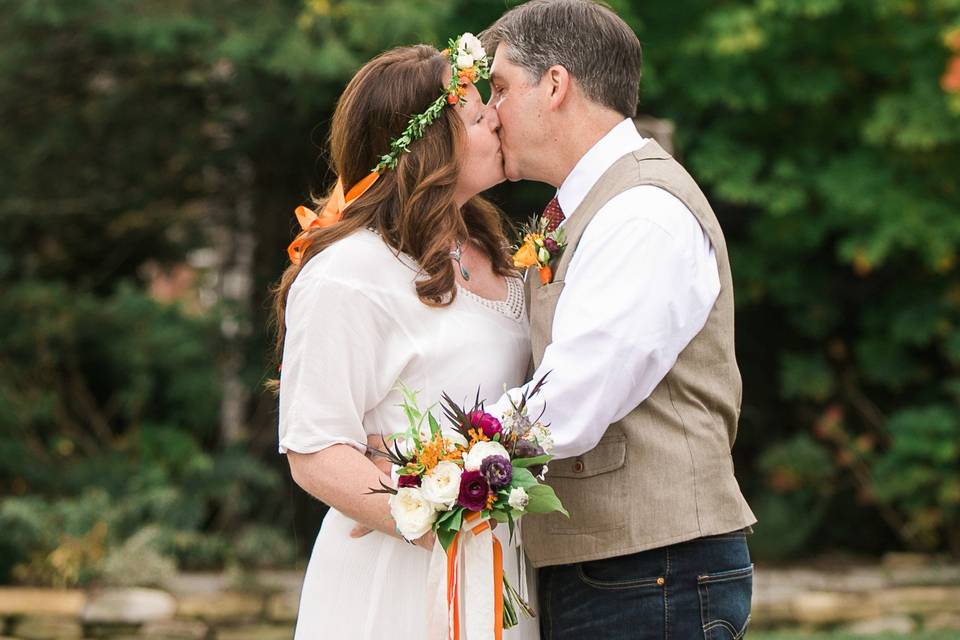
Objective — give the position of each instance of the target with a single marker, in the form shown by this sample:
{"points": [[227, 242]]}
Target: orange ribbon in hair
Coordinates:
{"points": [[454, 578], [331, 214]]}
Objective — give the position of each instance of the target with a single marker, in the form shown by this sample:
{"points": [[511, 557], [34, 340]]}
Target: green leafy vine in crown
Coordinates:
{"points": [[468, 62]]}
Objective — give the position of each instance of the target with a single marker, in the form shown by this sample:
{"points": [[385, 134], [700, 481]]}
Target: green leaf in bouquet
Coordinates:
{"points": [[445, 536], [415, 417], [499, 516], [456, 521], [446, 515], [523, 463], [448, 525], [544, 500], [522, 478], [409, 404]]}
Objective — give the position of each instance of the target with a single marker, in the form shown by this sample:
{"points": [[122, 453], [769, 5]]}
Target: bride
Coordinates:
{"points": [[401, 274]]}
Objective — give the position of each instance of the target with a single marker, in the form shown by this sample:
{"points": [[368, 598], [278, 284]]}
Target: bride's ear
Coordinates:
{"points": [[558, 81]]}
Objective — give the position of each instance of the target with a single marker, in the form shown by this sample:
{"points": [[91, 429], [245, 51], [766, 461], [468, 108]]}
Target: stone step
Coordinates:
{"points": [[42, 602], [112, 606]]}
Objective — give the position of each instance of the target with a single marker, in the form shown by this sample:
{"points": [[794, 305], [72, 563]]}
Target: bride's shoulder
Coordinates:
{"points": [[362, 260]]}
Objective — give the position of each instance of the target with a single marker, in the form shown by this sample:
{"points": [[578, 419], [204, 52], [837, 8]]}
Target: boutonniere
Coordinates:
{"points": [[539, 248]]}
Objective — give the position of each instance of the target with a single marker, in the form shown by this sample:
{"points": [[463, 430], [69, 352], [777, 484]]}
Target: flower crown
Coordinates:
{"points": [[468, 63]]}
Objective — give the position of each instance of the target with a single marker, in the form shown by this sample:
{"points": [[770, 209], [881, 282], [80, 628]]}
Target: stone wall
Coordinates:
{"points": [[902, 594], [189, 607]]}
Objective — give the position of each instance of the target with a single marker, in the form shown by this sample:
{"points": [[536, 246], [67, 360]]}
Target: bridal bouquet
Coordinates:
{"points": [[480, 469]]}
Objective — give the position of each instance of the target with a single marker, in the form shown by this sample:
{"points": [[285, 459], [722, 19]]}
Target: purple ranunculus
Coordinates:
{"points": [[408, 481], [551, 245], [473, 491], [489, 425], [497, 470]]}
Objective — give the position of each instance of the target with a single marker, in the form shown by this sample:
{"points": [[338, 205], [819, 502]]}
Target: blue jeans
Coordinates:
{"points": [[693, 590]]}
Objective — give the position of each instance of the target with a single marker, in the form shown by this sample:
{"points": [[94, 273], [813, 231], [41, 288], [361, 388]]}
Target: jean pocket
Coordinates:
{"points": [[611, 574], [725, 603]]}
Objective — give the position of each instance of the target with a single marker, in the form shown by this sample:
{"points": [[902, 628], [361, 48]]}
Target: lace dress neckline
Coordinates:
{"points": [[512, 306]]}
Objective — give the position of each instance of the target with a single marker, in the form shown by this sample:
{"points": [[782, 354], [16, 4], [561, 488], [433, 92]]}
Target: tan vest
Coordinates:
{"points": [[663, 474]]}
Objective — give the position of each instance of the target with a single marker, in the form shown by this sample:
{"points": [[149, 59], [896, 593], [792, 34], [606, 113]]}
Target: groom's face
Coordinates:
{"points": [[518, 105]]}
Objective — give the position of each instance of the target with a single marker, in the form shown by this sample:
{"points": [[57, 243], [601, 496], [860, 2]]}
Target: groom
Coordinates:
{"points": [[637, 331]]}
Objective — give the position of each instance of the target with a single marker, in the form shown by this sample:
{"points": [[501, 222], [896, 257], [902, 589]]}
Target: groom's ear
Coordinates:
{"points": [[558, 81]]}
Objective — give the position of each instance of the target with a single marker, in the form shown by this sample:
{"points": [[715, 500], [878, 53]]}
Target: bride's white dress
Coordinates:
{"points": [[355, 326]]}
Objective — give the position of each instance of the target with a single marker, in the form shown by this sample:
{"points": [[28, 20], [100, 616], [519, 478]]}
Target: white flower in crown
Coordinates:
{"points": [[464, 61], [471, 45]]}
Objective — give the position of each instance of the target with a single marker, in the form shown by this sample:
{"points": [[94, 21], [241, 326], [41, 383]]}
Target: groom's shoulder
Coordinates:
{"points": [[646, 204]]}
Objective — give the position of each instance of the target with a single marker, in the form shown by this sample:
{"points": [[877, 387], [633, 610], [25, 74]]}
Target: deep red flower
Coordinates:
{"points": [[408, 481], [473, 491]]}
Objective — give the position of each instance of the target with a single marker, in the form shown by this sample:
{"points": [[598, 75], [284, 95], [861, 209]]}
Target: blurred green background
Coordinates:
{"points": [[151, 155]]}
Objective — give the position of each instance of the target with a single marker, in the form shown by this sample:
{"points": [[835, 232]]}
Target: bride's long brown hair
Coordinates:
{"points": [[412, 206]]}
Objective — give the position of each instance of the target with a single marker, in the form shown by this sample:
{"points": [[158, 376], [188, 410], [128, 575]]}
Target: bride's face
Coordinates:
{"points": [[481, 161]]}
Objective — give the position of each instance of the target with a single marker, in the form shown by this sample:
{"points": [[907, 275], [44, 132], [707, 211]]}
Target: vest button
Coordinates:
{"points": [[578, 466]]}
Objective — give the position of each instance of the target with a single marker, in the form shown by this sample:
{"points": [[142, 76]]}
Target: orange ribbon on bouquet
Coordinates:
{"points": [[332, 213], [453, 579]]}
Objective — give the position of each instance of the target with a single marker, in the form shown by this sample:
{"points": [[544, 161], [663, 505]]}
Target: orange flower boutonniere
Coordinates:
{"points": [[539, 248]]}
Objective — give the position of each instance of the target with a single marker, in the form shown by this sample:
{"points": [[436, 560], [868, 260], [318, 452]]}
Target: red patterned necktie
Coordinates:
{"points": [[553, 214]]}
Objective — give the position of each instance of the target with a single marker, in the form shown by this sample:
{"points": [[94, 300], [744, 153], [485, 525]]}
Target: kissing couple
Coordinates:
{"points": [[403, 273]]}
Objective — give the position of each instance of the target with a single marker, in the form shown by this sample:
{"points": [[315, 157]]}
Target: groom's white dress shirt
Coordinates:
{"points": [[638, 289]]}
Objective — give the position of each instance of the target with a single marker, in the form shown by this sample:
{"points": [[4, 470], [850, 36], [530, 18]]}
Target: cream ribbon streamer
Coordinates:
{"points": [[465, 595]]}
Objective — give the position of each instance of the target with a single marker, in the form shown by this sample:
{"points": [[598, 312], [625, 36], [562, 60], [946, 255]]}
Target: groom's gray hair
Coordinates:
{"points": [[588, 39]]}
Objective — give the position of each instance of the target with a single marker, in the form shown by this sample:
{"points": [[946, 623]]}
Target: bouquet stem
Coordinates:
{"points": [[511, 602]]}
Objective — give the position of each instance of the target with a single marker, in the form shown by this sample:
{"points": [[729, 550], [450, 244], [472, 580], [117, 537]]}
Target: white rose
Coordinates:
{"points": [[472, 45], [518, 498], [464, 61], [480, 451], [442, 485], [412, 512]]}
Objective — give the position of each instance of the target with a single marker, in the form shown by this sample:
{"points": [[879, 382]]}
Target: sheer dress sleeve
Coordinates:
{"points": [[342, 355]]}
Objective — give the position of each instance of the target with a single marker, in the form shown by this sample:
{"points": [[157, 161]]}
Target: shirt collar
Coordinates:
{"points": [[618, 142]]}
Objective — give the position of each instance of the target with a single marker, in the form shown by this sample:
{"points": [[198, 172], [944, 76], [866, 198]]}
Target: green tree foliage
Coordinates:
{"points": [[827, 134]]}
